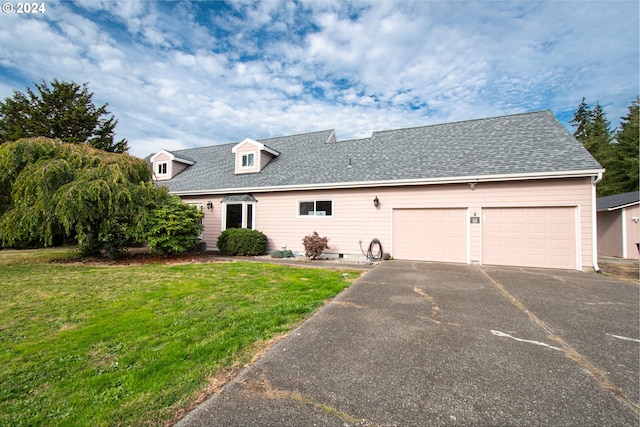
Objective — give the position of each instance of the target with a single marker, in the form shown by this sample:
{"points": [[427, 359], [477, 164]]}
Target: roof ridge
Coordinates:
{"points": [[262, 140], [295, 134], [463, 121]]}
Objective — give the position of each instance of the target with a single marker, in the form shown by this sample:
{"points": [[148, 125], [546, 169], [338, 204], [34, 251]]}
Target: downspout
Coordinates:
{"points": [[594, 222]]}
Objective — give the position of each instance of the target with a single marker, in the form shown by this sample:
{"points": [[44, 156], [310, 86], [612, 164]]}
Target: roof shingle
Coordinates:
{"points": [[617, 201], [531, 143]]}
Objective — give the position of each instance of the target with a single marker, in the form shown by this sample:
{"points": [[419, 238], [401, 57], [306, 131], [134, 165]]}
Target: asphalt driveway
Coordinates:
{"points": [[412, 344]]}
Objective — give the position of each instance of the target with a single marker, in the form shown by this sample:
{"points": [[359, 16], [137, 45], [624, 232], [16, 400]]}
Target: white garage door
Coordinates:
{"points": [[534, 237], [430, 234]]}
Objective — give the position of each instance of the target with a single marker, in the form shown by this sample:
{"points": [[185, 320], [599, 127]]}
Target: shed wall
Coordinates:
{"points": [[632, 231]]}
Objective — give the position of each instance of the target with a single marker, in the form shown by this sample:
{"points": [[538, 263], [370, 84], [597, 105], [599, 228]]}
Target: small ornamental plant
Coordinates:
{"points": [[314, 245], [282, 254]]}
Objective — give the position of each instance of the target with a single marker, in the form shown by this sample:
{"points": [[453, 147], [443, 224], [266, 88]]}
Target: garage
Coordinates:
{"points": [[430, 234], [533, 237]]}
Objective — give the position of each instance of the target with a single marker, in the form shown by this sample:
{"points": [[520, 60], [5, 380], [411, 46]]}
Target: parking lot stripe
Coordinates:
{"points": [[623, 338], [502, 334], [568, 350]]}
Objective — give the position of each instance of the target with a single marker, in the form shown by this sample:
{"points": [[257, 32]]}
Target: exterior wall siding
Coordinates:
{"points": [[355, 219], [610, 233], [618, 233], [177, 167], [264, 159], [212, 220], [632, 231]]}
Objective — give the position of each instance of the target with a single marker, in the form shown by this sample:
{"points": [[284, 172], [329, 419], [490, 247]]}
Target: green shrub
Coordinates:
{"points": [[174, 227], [242, 241], [314, 245]]}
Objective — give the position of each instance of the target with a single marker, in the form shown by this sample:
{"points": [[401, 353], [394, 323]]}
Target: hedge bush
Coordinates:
{"points": [[242, 242]]}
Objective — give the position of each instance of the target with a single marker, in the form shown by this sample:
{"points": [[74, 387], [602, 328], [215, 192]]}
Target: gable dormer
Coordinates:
{"points": [[252, 156], [166, 165]]}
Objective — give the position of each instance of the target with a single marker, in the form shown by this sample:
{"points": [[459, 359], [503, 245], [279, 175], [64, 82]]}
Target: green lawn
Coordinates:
{"points": [[133, 345]]}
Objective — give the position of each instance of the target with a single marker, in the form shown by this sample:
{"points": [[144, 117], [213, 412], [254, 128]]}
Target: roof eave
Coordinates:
{"points": [[399, 182], [615, 208]]}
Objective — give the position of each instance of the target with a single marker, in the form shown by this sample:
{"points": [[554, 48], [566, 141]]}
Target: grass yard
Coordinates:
{"points": [[135, 345]]}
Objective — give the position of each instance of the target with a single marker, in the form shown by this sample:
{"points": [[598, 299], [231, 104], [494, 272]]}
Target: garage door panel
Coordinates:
{"points": [[536, 237], [430, 234]]}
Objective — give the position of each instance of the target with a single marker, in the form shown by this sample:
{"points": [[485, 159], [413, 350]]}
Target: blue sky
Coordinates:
{"points": [[188, 74]]}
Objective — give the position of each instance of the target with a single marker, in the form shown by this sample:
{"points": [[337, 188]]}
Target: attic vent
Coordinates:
{"points": [[332, 137]]}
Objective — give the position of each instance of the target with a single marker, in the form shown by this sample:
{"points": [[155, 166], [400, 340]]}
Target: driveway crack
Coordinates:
{"points": [[435, 310], [262, 387]]}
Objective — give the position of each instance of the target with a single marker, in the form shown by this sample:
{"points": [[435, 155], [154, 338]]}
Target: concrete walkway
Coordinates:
{"points": [[414, 344]]}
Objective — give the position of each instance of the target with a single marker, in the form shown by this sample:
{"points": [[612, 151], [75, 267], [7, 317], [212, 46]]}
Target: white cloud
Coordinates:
{"points": [[188, 74]]}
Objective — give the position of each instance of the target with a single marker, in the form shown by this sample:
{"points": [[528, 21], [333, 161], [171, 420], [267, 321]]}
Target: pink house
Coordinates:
{"points": [[514, 190], [618, 228]]}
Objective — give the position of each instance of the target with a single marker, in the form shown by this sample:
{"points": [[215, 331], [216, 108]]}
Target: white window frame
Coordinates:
{"points": [[315, 211], [245, 159], [244, 214], [159, 167]]}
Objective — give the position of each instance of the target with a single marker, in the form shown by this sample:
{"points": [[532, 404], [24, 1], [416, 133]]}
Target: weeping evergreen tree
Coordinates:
{"points": [[49, 188]]}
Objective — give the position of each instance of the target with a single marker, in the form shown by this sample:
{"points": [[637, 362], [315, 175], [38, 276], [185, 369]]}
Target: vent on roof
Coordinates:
{"points": [[332, 137]]}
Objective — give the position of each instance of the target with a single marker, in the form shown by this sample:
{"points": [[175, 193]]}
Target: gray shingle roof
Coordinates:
{"points": [[531, 143], [617, 200]]}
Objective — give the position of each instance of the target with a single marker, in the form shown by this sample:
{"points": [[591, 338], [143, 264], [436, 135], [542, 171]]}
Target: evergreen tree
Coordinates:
{"points": [[63, 111], [593, 130], [599, 135], [623, 165], [582, 120]]}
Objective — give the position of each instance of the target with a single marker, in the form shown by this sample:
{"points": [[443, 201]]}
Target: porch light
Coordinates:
{"points": [[376, 202], [210, 205]]}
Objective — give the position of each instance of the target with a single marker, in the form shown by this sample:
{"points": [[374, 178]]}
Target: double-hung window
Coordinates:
{"points": [[315, 208]]}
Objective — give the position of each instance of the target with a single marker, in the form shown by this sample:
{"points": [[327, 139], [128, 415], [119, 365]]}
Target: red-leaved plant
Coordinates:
{"points": [[314, 245]]}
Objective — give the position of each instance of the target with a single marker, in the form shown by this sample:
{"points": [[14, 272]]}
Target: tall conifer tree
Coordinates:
{"points": [[62, 110]]}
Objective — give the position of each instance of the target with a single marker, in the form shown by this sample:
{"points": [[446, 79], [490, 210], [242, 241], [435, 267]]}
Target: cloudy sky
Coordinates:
{"points": [[187, 74]]}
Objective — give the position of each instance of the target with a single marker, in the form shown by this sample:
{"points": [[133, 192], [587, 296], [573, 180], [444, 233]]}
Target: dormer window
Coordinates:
{"points": [[248, 160], [166, 165], [252, 156]]}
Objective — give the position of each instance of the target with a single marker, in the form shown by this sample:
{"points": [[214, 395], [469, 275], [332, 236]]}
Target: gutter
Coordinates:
{"points": [[594, 222], [615, 208], [393, 183]]}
